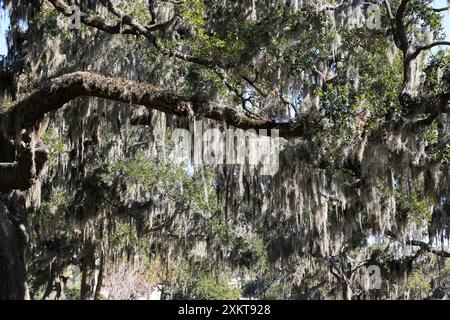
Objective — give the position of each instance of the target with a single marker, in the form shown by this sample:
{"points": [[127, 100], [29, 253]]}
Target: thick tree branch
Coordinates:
{"points": [[426, 247], [400, 28], [438, 10], [95, 22], [410, 53], [125, 19], [21, 174], [55, 93], [420, 49]]}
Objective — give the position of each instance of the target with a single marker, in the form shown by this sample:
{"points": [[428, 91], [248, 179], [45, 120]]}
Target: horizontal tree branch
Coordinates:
{"points": [[426, 247], [430, 46], [55, 93], [441, 9], [125, 19]]}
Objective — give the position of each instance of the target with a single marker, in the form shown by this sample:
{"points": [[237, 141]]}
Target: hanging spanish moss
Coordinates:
{"points": [[361, 180]]}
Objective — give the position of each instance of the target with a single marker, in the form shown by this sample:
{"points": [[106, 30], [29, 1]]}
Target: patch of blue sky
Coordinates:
{"points": [[445, 14], [4, 26]]}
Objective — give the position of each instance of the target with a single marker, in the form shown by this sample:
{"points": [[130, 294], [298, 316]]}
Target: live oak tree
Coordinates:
{"points": [[359, 93]]}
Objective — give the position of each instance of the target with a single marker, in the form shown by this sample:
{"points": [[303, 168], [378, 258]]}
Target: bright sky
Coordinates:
{"points": [[443, 4], [4, 23]]}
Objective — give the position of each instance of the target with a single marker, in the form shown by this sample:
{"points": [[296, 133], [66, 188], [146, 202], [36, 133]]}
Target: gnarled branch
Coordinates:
{"points": [[55, 93], [426, 247]]}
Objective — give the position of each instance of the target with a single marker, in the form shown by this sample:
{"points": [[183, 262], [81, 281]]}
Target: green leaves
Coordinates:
{"points": [[415, 207], [172, 181], [418, 281], [437, 73], [211, 289], [56, 145]]}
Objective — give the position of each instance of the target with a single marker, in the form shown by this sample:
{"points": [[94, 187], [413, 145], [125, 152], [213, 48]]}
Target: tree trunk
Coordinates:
{"points": [[347, 292], [98, 288], [88, 277], [13, 242]]}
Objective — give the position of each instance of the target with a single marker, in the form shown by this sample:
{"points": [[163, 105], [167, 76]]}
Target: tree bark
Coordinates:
{"points": [[54, 93], [98, 288], [347, 292], [13, 240], [22, 172], [88, 267]]}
